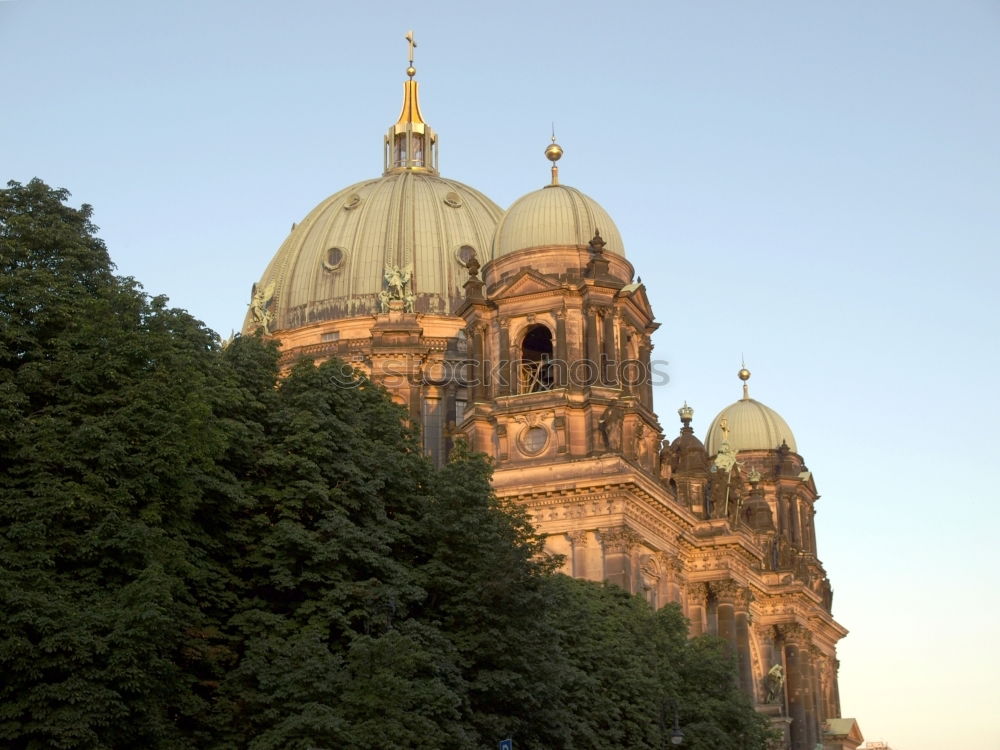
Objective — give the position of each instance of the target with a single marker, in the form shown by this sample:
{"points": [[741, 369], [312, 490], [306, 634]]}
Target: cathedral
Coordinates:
{"points": [[526, 333]]}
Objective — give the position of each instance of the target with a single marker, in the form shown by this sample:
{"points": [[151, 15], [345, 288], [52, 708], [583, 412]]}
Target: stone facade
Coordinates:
{"points": [[545, 365]]}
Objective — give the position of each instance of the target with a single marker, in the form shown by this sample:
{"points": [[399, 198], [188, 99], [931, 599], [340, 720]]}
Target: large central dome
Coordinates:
{"points": [[333, 263], [410, 224]]}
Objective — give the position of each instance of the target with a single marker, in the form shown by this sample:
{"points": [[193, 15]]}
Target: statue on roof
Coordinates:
{"points": [[260, 302], [397, 288]]}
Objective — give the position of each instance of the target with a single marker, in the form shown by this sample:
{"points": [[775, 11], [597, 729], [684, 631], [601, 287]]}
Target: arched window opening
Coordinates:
{"points": [[535, 371]]}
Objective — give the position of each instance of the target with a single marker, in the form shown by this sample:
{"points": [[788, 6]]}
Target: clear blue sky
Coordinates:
{"points": [[815, 185]]}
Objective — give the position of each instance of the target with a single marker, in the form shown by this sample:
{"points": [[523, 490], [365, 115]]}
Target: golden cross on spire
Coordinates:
{"points": [[409, 38]]}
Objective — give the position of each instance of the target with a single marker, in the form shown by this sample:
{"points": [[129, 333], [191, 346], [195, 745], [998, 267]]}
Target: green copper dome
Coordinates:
{"points": [[333, 263], [555, 216], [751, 426]]}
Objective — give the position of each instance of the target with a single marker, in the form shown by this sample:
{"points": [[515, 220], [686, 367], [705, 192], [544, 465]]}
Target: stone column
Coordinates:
{"points": [[725, 594], [504, 365], [432, 414], [590, 350], [651, 576], [617, 543], [818, 712], [561, 374], [811, 529], [743, 661], [673, 570], [452, 418], [609, 373], [578, 557], [627, 379], [697, 606], [797, 683], [479, 366], [809, 695], [644, 369], [769, 656]]}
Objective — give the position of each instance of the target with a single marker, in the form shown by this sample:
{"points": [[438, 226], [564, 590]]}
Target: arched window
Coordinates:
{"points": [[535, 367]]}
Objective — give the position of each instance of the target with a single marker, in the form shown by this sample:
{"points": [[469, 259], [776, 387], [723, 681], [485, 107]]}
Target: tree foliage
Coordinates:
{"points": [[196, 553]]}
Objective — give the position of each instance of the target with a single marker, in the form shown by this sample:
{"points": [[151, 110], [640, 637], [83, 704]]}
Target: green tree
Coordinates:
{"points": [[331, 653], [109, 448], [485, 579], [196, 552]]}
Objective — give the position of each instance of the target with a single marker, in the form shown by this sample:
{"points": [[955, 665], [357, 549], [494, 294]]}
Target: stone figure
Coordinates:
{"points": [[383, 301], [260, 300], [610, 426], [774, 680], [397, 279]]}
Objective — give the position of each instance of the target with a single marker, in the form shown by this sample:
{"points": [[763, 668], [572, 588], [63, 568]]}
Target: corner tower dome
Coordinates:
{"points": [[555, 216], [334, 264], [748, 425]]}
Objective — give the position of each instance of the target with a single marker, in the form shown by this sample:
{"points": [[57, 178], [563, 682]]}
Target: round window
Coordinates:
{"points": [[465, 254], [533, 439], [334, 258]]}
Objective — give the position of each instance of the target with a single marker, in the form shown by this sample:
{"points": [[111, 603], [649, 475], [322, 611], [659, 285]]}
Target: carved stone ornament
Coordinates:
{"points": [[697, 594], [671, 563], [729, 591], [650, 565], [618, 539], [794, 634], [535, 418], [577, 538]]}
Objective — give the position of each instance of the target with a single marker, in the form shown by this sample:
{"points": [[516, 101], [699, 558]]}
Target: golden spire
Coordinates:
{"points": [[410, 143], [744, 375], [554, 153]]}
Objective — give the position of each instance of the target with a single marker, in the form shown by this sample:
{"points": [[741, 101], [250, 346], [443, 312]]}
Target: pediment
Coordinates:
{"points": [[636, 294], [807, 479], [847, 728], [524, 282]]}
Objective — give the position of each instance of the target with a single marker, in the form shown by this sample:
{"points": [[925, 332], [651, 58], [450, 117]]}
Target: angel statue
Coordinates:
{"points": [[396, 280], [260, 299]]}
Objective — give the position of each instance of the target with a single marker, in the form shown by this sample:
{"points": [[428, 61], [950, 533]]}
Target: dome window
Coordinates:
{"points": [[465, 254], [453, 199], [335, 258], [352, 202], [535, 367]]}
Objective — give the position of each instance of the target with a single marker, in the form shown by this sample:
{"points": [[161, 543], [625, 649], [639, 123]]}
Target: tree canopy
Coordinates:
{"points": [[197, 553]]}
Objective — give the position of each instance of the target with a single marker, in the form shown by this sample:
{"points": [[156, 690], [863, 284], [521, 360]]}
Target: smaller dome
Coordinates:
{"points": [[555, 216], [752, 426]]}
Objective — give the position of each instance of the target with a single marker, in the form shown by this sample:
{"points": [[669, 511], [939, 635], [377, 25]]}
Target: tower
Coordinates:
{"points": [[526, 332]]}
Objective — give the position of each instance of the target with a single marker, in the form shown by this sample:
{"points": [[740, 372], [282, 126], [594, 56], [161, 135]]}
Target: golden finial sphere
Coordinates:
{"points": [[744, 374], [411, 71], [554, 152]]}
